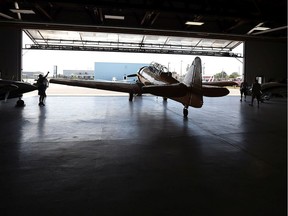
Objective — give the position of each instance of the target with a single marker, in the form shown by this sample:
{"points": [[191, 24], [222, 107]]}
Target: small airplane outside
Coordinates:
{"points": [[15, 89], [157, 80]]}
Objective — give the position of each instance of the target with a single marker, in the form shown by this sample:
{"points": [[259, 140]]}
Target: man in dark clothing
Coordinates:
{"points": [[42, 84], [256, 92]]}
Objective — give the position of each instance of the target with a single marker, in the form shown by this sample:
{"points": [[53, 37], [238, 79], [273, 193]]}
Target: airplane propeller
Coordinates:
{"points": [[9, 88], [6, 96], [132, 75]]}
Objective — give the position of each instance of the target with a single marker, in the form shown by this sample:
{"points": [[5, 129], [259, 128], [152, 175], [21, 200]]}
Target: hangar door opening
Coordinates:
{"points": [[76, 54]]}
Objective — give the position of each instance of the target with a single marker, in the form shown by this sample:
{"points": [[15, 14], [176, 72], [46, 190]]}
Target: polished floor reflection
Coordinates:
{"points": [[105, 155]]}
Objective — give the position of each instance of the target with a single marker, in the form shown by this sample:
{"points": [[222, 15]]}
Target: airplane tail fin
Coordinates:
{"points": [[193, 77], [193, 80]]}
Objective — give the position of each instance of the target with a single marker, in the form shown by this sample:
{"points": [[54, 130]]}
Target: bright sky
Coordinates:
{"points": [[45, 60]]}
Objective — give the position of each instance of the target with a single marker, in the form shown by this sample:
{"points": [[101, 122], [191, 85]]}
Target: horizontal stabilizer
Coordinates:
{"points": [[213, 91], [134, 88], [174, 90]]}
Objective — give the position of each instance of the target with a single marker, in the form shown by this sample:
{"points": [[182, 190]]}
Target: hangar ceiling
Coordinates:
{"points": [[233, 21], [98, 41]]}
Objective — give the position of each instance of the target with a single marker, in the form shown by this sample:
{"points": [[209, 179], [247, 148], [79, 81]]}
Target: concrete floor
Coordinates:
{"points": [[104, 155]]}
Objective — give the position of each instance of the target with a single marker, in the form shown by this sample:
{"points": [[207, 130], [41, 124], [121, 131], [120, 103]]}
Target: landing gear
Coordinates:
{"points": [[20, 103], [185, 112], [131, 96]]}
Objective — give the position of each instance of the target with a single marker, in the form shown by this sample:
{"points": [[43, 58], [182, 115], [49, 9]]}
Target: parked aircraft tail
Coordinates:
{"points": [[193, 81], [193, 77]]}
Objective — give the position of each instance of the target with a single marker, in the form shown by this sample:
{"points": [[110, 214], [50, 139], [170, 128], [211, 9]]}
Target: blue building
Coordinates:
{"points": [[115, 71]]}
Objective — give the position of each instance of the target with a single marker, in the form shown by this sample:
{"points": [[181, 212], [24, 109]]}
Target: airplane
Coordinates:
{"points": [[274, 88], [157, 80], [271, 89], [14, 89]]}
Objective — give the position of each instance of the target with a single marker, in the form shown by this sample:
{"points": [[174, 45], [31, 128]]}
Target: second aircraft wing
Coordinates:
{"points": [[220, 83]]}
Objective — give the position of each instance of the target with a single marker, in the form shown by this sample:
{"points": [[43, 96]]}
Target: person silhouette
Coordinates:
{"points": [[256, 92], [243, 90], [42, 84]]}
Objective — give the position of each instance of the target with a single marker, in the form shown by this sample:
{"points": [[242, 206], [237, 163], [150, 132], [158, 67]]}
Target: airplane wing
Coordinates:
{"points": [[134, 88], [214, 91], [274, 88], [272, 85], [220, 83]]}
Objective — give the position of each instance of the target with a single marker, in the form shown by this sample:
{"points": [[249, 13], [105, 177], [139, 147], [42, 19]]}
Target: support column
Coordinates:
{"points": [[10, 53]]}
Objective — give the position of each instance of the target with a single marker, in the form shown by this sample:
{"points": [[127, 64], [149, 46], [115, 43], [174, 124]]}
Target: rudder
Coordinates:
{"points": [[193, 77], [193, 80]]}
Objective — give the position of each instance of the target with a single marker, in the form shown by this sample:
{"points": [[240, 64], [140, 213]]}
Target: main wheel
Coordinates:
{"points": [[20, 103], [185, 112], [130, 96]]}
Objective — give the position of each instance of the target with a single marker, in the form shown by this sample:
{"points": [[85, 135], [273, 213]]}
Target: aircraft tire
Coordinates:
{"points": [[20, 103], [185, 112], [130, 97]]}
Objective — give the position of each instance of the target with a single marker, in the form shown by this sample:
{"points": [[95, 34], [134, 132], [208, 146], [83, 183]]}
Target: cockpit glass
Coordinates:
{"points": [[160, 68]]}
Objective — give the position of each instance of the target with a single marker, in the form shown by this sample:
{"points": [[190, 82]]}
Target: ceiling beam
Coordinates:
{"points": [[150, 31]]}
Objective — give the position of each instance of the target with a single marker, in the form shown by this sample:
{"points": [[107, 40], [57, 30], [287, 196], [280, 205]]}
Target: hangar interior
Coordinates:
{"points": [[108, 156]]}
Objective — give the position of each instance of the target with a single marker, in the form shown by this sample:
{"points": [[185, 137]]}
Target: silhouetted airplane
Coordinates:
{"points": [[157, 80], [14, 89]]}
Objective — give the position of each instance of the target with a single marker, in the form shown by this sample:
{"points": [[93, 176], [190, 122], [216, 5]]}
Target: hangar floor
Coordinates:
{"points": [[104, 155]]}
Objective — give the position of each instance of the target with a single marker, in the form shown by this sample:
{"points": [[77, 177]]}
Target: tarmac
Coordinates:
{"points": [[99, 154]]}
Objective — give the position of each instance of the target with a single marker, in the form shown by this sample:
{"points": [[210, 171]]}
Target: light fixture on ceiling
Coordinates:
{"points": [[114, 17], [260, 28], [6, 16], [19, 11], [22, 11], [194, 23]]}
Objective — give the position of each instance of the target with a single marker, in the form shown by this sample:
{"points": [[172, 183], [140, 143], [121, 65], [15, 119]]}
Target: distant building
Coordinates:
{"points": [[116, 71], [31, 75], [79, 74]]}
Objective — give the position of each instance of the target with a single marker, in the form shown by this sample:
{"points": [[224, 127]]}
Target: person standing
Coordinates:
{"points": [[256, 92], [42, 84], [243, 90]]}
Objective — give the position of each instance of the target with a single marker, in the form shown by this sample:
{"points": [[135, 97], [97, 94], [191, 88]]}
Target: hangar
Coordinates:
{"points": [[142, 158]]}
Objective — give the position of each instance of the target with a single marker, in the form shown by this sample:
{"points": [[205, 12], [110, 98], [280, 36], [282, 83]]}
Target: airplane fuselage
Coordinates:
{"points": [[156, 74]]}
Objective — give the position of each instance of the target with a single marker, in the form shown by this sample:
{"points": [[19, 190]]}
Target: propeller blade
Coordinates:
{"points": [[132, 75], [6, 96]]}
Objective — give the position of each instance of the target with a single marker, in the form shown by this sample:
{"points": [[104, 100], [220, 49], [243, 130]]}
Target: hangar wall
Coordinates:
{"points": [[265, 59], [10, 53]]}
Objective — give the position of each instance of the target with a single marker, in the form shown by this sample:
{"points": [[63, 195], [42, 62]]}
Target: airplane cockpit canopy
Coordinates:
{"points": [[158, 68]]}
